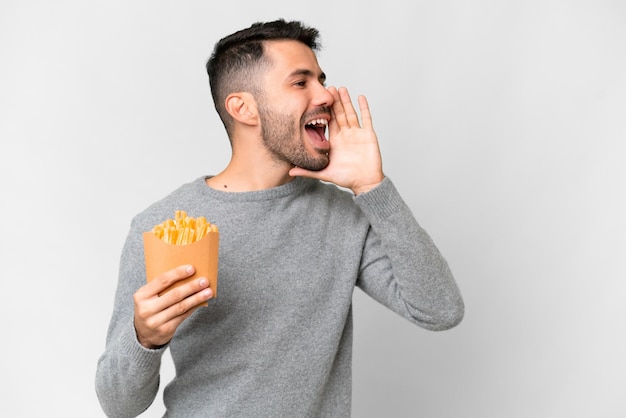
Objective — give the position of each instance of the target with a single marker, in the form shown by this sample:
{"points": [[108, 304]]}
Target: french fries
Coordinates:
{"points": [[183, 229]]}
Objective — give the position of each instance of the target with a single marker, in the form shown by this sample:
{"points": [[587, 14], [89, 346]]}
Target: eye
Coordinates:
{"points": [[300, 83]]}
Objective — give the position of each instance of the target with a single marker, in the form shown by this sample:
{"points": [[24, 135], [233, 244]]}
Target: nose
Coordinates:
{"points": [[323, 96]]}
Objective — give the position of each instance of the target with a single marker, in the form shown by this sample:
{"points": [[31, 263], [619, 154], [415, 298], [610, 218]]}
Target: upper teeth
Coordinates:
{"points": [[318, 122]]}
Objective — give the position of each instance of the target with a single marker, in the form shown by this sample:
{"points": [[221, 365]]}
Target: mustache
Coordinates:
{"points": [[320, 111]]}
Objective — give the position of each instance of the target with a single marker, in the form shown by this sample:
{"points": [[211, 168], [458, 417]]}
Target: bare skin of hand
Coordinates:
{"points": [[355, 160], [157, 317]]}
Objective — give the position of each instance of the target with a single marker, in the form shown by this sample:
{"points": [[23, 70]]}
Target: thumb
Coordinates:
{"points": [[302, 172]]}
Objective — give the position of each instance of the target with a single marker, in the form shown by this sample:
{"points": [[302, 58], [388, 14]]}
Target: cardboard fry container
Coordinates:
{"points": [[202, 255]]}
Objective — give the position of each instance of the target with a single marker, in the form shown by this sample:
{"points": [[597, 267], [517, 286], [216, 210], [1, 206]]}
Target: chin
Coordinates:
{"points": [[314, 164], [321, 160]]}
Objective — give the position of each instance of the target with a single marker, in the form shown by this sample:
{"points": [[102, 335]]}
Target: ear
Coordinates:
{"points": [[242, 108]]}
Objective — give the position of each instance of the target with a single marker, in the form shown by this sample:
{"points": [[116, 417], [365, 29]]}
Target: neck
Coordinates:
{"points": [[249, 170], [236, 180]]}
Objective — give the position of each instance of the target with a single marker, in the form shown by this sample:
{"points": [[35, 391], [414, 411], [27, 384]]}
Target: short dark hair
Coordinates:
{"points": [[237, 58]]}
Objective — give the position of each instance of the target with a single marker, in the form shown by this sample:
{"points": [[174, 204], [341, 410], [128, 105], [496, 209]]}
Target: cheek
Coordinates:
{"points": [[291, 104]]}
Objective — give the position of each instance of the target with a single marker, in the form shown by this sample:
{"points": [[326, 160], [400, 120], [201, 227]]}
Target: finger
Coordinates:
{"points": [[366, 116], [168, 278], [176, 302], [333, 91], [350, 113], [339, 113], [185, 299], [333, 126], [179, 293], [148, 303], [302, 172]]}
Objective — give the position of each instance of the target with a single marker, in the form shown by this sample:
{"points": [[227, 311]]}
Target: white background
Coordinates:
{"points": [[502, 123]]}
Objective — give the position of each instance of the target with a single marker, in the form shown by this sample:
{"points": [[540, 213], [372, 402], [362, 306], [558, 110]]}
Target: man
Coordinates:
{"points": [[277, 341]]}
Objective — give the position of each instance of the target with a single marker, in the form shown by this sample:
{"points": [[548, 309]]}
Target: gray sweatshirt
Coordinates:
{"points": [[277, 340]]}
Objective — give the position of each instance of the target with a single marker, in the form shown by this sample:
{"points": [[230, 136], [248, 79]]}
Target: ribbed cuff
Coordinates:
{"points": [[137, 353], [381, 202]]}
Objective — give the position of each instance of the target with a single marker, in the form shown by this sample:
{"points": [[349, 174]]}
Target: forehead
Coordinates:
{"points": [[287, 56]]}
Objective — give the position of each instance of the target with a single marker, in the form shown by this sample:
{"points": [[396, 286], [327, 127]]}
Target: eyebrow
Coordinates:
{"points": [[308, 73]]}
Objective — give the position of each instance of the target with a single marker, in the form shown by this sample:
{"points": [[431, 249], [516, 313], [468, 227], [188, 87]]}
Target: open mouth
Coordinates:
{"points": [[316, 129]]}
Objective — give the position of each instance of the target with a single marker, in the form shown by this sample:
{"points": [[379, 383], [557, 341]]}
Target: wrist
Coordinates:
{"points": [[357, 190]]}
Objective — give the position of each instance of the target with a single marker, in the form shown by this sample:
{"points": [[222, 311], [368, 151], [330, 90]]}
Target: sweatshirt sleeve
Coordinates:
{"points": [[127, 374], [401, 266]]}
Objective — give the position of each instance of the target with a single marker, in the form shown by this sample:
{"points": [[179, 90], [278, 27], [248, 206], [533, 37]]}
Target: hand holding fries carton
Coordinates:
{"points": [[184, 240]]}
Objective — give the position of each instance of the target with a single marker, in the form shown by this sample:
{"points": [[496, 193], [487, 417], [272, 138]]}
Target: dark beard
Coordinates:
{"points": [[281, 138]]}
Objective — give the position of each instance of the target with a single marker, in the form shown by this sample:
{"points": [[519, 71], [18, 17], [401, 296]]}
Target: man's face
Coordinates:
{"points": [[294, 106]]}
